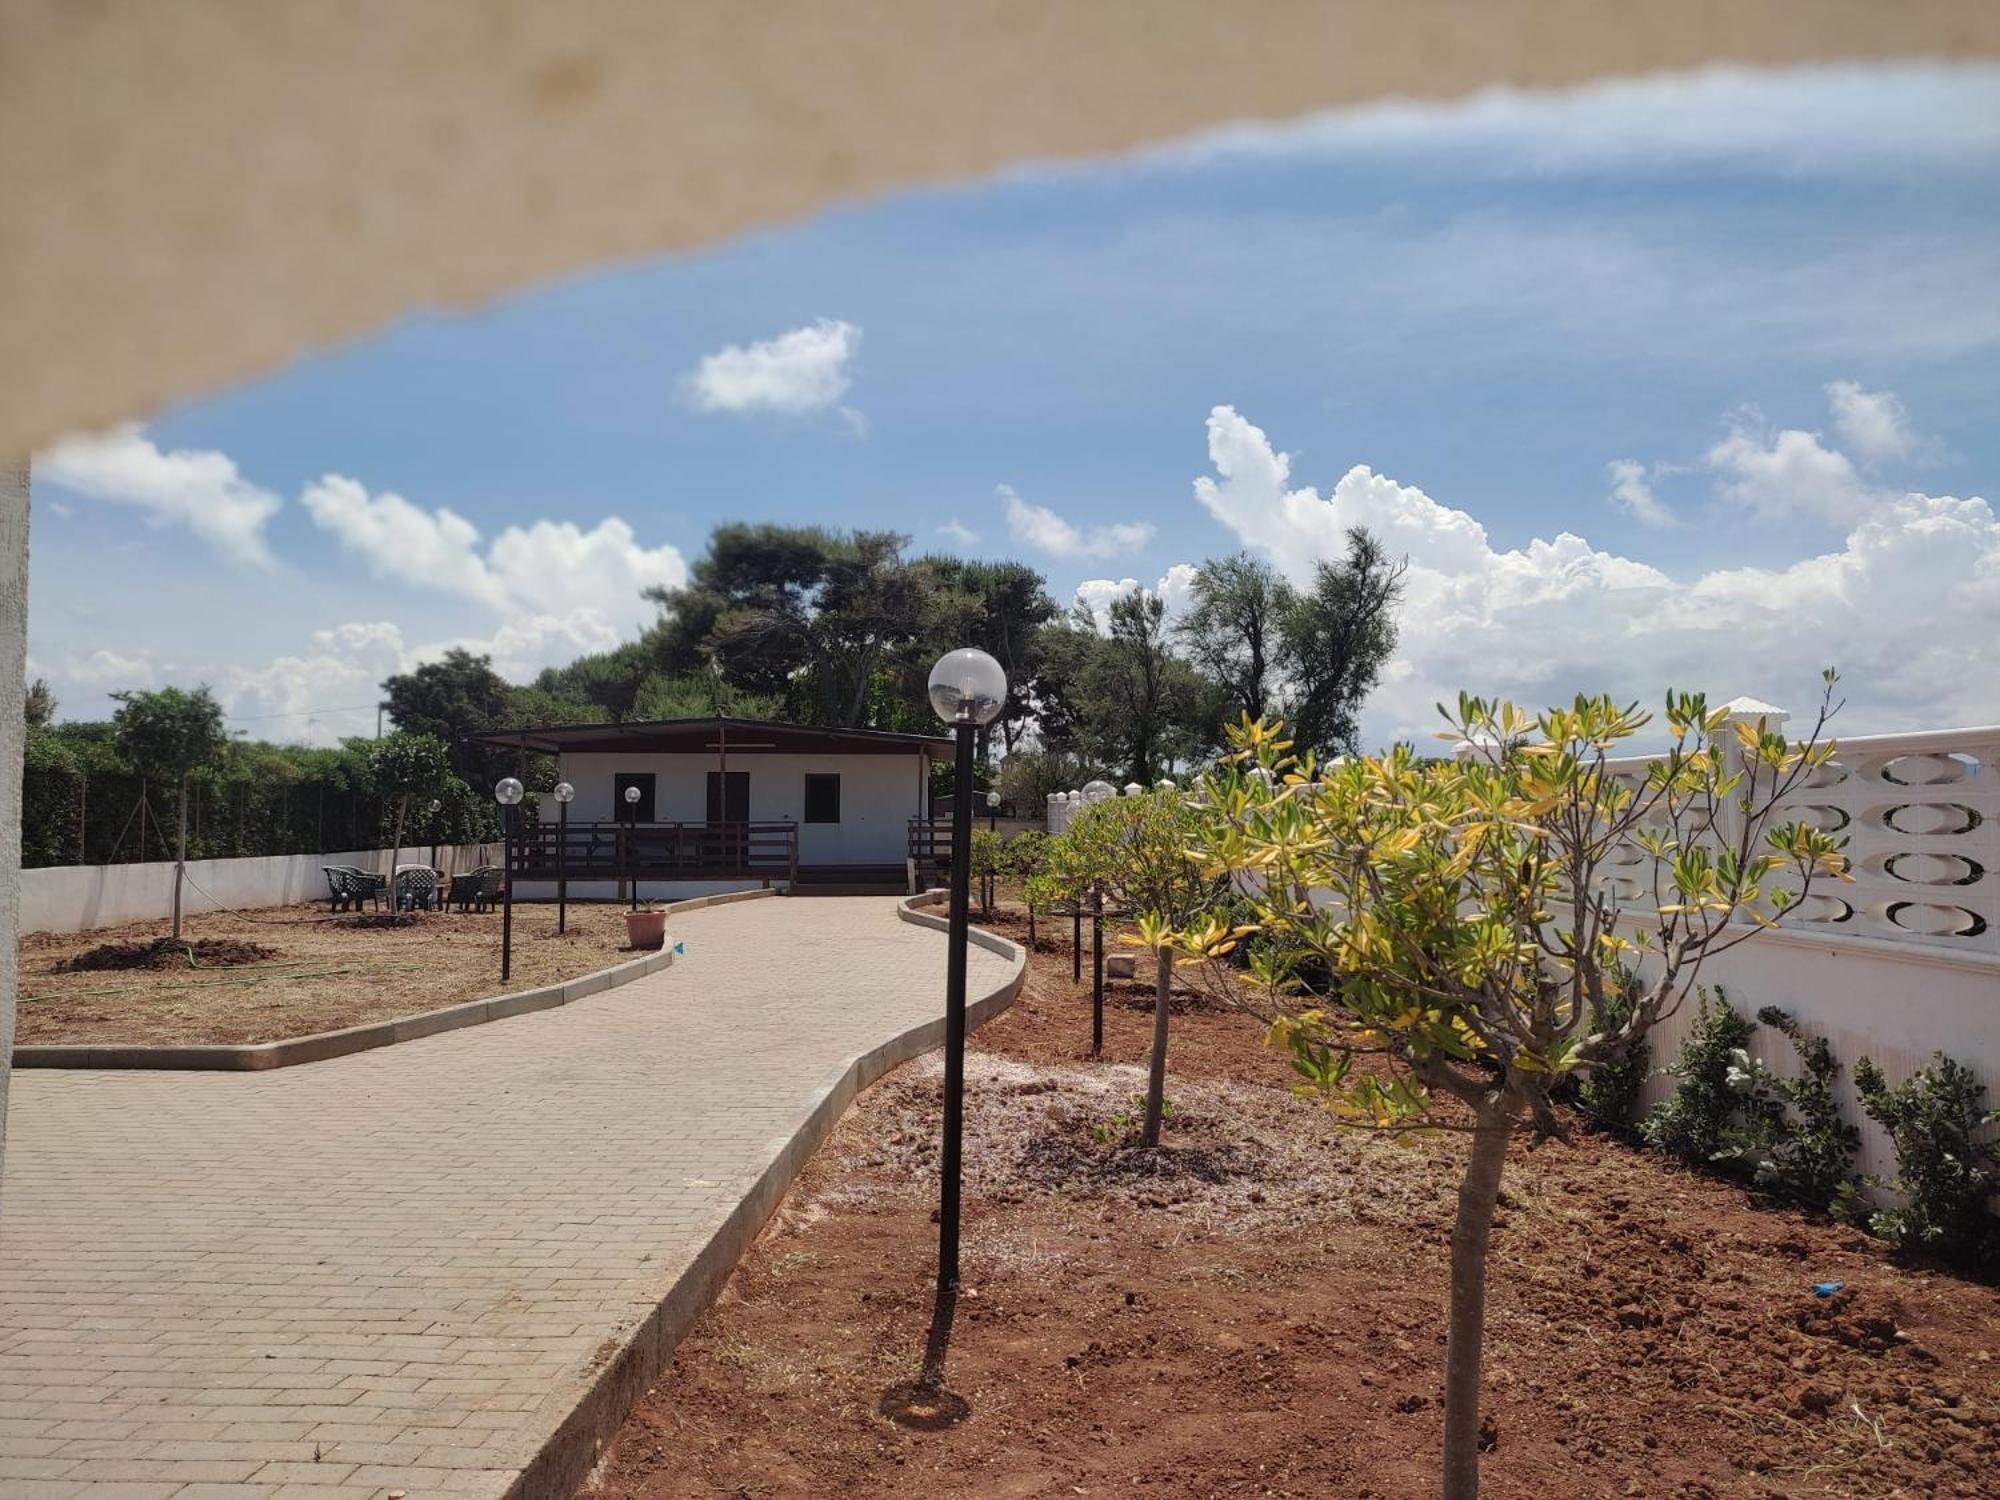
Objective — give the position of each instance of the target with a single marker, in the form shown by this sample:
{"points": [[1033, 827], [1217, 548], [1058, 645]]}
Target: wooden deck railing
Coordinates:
{"points": [[930, 843], [658, 851]]}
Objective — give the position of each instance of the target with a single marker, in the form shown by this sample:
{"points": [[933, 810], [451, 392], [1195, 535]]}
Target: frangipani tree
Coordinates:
{"points": [[1455, 923]]}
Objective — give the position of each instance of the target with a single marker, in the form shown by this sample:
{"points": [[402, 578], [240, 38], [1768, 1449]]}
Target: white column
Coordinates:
{"points": [[13, 728]]}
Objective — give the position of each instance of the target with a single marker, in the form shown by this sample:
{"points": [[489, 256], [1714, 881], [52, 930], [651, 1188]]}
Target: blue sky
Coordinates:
{"points": [[1767, 300]]}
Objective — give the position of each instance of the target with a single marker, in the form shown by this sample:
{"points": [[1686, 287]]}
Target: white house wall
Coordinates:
{"points": [[879, 794]]}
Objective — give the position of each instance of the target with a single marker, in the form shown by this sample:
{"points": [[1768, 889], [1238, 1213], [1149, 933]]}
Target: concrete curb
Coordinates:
{"points": [[591, 1421], [292, 1051]]}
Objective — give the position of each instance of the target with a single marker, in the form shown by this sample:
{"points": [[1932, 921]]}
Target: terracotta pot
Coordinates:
{"points": [[645, 929]]}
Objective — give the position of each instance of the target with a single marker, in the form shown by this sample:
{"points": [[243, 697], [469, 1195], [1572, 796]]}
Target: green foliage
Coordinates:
{"points": [[1704, 1120], [404, 766], [1947, 1160], [169, 733], [1337, 635], [1026, 855], [1808, 1149], [988, 853], [450, 699], [1609, 1092]]}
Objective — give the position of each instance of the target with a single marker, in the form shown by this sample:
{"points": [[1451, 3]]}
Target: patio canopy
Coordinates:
{"points": [[713, 736]]}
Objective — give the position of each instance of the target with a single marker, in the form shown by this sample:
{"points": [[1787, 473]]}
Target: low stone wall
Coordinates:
{"points": [[82, 898]]}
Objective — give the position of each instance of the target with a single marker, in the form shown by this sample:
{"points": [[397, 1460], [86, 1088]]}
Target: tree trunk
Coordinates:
{"points": [[395, 855], [1478, 1192], [180, 857], [1156, 1075]]}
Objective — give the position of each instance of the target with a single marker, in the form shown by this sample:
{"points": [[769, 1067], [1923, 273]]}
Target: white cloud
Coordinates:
{"points": [[1903, 608], [1175, 587], [1041, 528], [808, 369], [957, 531], [113, 671], [1872, 423], [1632, 489], [1788, 473], [593, 579], [192, 487]]}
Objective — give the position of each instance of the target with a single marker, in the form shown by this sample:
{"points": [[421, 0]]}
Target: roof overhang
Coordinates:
{"points": [[714, 737]]}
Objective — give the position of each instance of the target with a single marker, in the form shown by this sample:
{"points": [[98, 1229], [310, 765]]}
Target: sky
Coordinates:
{"points": [[1684, 382]]}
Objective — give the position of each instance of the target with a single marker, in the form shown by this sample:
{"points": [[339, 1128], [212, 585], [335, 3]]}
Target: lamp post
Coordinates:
{"points": [[564, 795], [1093, 794], [968, 689], [432, 812], [631, 822], [508, 795]]}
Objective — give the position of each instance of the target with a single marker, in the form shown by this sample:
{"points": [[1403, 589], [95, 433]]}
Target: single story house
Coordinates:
{"points": [[729, 804]]}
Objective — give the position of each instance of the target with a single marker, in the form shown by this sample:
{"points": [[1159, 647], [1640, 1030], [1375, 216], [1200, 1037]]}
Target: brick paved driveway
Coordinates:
{"points": [[412, 1262]]}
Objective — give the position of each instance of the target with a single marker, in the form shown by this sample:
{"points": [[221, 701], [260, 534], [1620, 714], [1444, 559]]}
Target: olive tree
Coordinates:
{"points": [[1456, 923], [171, 734], [1137, 849]]}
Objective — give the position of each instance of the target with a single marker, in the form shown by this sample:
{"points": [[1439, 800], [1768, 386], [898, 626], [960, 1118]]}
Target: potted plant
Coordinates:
{"points": [[645, 929]]}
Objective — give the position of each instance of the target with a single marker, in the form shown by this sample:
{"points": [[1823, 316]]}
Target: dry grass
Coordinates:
{"points": [[327, 972]]}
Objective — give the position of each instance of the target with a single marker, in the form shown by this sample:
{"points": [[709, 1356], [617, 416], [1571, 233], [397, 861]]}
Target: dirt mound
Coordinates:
{"points": [[166, 953]]}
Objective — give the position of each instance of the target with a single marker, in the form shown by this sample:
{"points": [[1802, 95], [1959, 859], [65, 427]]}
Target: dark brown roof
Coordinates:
{"points": [[707, 737]]}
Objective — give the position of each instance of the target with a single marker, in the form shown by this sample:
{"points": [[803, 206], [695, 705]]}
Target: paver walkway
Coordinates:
{"points": [[411, 1262]]}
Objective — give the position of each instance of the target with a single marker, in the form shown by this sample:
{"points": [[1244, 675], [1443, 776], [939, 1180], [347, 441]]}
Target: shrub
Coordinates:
{"points": [[1944, 1172], [1609, 1092], [1808, 1148], [1703, 1121]]}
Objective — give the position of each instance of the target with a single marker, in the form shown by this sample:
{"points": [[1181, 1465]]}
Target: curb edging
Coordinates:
{"points": [[290, 1052], [566, 1459]]}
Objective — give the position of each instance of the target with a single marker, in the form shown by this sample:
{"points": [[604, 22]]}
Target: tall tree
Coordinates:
{"points": [[1234, 633], [815, 615], [40, 705], [453, 698], [1145, 707], [999, 607], [170, 734], [404, 768], [1337, 636]]}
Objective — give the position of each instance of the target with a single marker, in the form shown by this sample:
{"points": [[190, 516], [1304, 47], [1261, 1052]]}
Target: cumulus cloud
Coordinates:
{"points": [[113, 671], [1632, 490], [197, 488], [547, 569], [808, 369], [1175, 588], [1872, 423], [1041, 528], [1904, 607], [957, 531], [1787, 473]]}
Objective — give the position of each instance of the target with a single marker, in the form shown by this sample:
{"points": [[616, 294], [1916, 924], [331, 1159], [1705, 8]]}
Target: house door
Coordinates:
{"points": [[632, 812], [729, 797]]}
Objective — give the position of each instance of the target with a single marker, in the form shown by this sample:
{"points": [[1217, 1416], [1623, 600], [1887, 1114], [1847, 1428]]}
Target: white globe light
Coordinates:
{"points": [[968, 687], [1099, 791], [631, 796], [992, 799], [508, 792], [564, 792]]}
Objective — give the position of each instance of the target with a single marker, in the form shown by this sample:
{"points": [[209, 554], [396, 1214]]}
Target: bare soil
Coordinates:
{"points": [[1258, 1308], [317, 971]]}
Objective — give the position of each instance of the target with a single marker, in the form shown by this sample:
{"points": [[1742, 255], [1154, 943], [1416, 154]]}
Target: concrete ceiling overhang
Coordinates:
{"points": [[193, 192]]}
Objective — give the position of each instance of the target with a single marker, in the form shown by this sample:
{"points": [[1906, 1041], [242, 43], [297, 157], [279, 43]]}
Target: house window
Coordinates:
{"points": [[632, 812], [822, 799], [729, 797]]}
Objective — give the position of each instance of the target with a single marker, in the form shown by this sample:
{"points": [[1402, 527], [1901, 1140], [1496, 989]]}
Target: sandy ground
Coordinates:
{"points": [[1259, 1310], [326, 972]]}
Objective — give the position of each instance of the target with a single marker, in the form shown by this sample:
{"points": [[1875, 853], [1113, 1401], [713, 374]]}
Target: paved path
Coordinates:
{"points": [[412, 1262]]}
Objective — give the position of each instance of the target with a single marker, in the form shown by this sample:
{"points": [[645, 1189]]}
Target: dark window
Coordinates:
{"points": [[635, 812], [822, 799], [735, 807]]}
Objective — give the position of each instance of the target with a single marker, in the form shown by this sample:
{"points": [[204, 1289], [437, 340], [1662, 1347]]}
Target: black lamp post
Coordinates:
{"points": [[631, 827], [1094, 793], [564, 795], [968, 689], [508, 795]]}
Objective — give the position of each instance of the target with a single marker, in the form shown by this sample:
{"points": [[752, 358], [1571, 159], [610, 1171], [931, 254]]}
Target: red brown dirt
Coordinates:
{"points": [[1263, 1314]]}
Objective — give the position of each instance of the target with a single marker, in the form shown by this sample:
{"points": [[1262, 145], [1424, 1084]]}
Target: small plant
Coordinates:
{"points": [[989, 853], [1610, 1091], [1121, 1127], [1703, 1122], [1808, 1148], [1945, 1172]]}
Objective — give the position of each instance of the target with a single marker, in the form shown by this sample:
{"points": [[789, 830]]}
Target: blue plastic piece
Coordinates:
{"points": [[1827, 1288]]}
